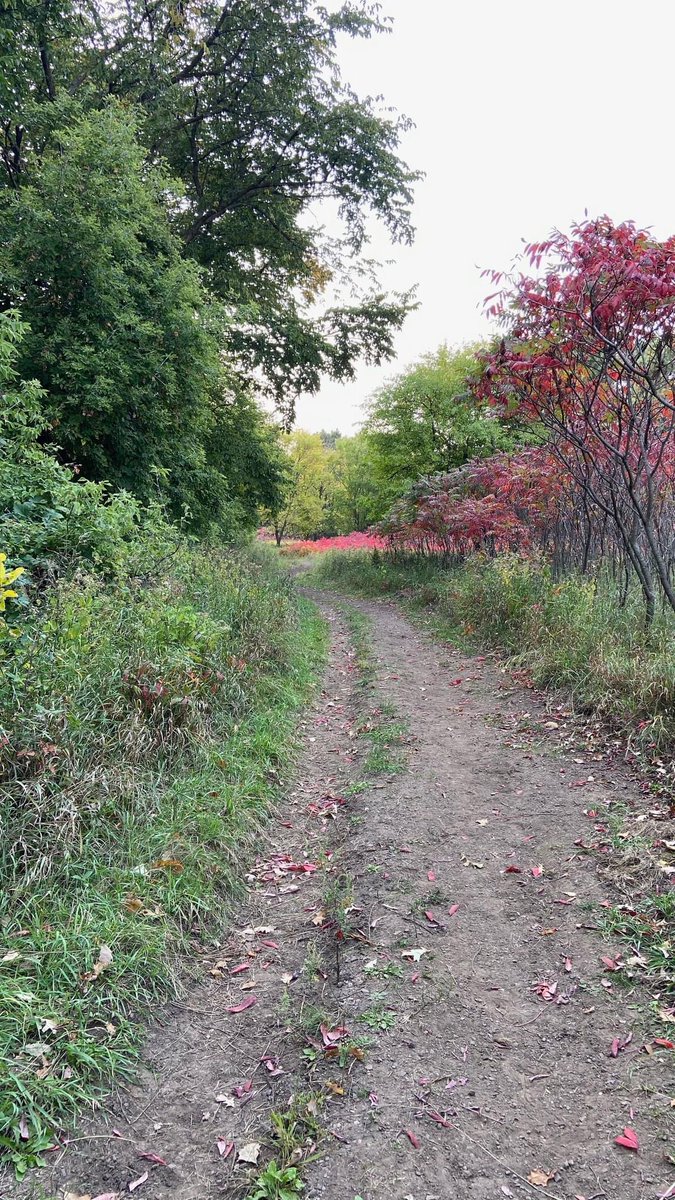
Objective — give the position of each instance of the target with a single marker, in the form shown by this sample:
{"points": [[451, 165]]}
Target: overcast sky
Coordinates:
{"points": [[527, 113]]}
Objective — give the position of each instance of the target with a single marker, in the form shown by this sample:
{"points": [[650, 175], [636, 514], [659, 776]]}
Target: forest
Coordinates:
{"points": [[182, 566]]}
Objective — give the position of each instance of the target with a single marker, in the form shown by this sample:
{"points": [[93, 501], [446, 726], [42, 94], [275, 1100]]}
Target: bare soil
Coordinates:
{"points": [[488, 1071]]}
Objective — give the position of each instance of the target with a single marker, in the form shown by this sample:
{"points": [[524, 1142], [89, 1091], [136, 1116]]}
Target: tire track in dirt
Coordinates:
{"points": [[485, 1073], [491, 1081]]}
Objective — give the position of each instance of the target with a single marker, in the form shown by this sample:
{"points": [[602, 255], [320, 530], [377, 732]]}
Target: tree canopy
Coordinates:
{"points": [[428, 420], [245, 105]]}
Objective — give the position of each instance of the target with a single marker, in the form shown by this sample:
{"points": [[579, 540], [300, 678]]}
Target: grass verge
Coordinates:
{"points": [[146, 733]]}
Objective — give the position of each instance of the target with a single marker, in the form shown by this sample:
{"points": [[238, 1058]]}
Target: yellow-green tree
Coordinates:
{"points": [[302, 510]]}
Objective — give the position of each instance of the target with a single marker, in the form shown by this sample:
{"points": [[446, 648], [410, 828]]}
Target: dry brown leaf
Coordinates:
{"points": [[540, 1178], [249, 1153]]}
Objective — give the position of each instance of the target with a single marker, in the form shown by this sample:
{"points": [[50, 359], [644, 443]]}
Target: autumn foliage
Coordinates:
{"points": [[587, 358]]}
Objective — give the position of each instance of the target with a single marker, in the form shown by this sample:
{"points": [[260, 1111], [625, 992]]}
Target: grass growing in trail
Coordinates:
{"points": [[145, 730], [569, 634]]}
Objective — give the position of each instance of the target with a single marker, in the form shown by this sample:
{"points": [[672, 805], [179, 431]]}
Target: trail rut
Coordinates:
{"points": [[488, 1010]]}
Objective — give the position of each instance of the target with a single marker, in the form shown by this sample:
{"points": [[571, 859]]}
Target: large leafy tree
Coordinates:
{"points": [[245, 103], [123, 337], [427, 420]]}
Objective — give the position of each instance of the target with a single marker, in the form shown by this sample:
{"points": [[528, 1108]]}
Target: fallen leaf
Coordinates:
{"points": [[513, 870], [249, 1153], [540, 1178], [430, 917], [567, 962], [132, 904], [667, 1045], [628, 1139], [153, 1158], [611, 964], [247, 1003], [270, 944], [224, 1148], [483, 821], [412, 1138], [136, 1183], [453, 909], [431, 876], [415, 955], [287, 978], [468, 862], [240, 969], [537, 871], [334, 1087], [11, 956]]}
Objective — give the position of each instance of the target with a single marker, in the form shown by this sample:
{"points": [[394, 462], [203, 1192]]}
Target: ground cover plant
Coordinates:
{"points": [[145, 727]]}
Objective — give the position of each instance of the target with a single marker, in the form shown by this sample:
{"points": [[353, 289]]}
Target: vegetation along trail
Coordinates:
{"points": [[413, 1000]]}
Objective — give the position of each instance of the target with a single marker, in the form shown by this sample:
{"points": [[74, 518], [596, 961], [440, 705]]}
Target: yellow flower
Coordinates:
{"points": [[7, 577]]}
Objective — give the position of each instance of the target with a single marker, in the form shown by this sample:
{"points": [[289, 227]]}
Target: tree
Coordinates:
{"points": [[589, 352], [302, 509], [428, 420], [354, 495], [122, 336], [245, 104]]}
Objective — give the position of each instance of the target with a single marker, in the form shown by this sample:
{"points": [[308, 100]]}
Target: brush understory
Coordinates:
{"points": [[145, 730], [569, 634]]}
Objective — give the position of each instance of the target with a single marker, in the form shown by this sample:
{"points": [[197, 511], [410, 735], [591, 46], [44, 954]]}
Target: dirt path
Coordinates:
{"points": [[432, 1052]]}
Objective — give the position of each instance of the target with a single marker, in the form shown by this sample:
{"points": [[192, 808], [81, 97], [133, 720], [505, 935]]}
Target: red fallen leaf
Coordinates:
{"points": [[537, 871], [412, 1138], [612, 964], [247, 1003], [436, 1116], [242, 967], [153, 1158], [453, 909], [307, 867], [242, 1088], [431, 876], [513, 870], [224, 1148], [286, 824], [331, 1036], [415, 978], [404, 849], [628, 1139], [579, 783], [266, 942], [664, 1043], [455, 682], [570, 901], [430, 917], [136, 1183]]}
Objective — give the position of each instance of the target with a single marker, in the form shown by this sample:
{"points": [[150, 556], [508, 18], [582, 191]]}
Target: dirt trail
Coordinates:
{"points": [[472, 1081]]}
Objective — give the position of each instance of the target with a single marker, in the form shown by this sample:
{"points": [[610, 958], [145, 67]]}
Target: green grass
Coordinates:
{"points": [[126, 821]]}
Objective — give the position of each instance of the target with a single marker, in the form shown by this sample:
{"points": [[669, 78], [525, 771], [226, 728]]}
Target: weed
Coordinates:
{"points": [[378, 1016], [277, 1183]]}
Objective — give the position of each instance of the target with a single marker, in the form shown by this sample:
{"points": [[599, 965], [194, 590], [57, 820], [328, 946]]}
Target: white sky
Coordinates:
{"points": [[527, 113]]}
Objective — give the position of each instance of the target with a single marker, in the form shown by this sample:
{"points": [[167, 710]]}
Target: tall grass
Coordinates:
{"points": [[144, 732]]}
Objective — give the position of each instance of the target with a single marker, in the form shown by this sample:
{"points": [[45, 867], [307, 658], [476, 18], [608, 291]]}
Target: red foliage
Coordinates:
{"points": [[589, 354], [346, 541]]}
